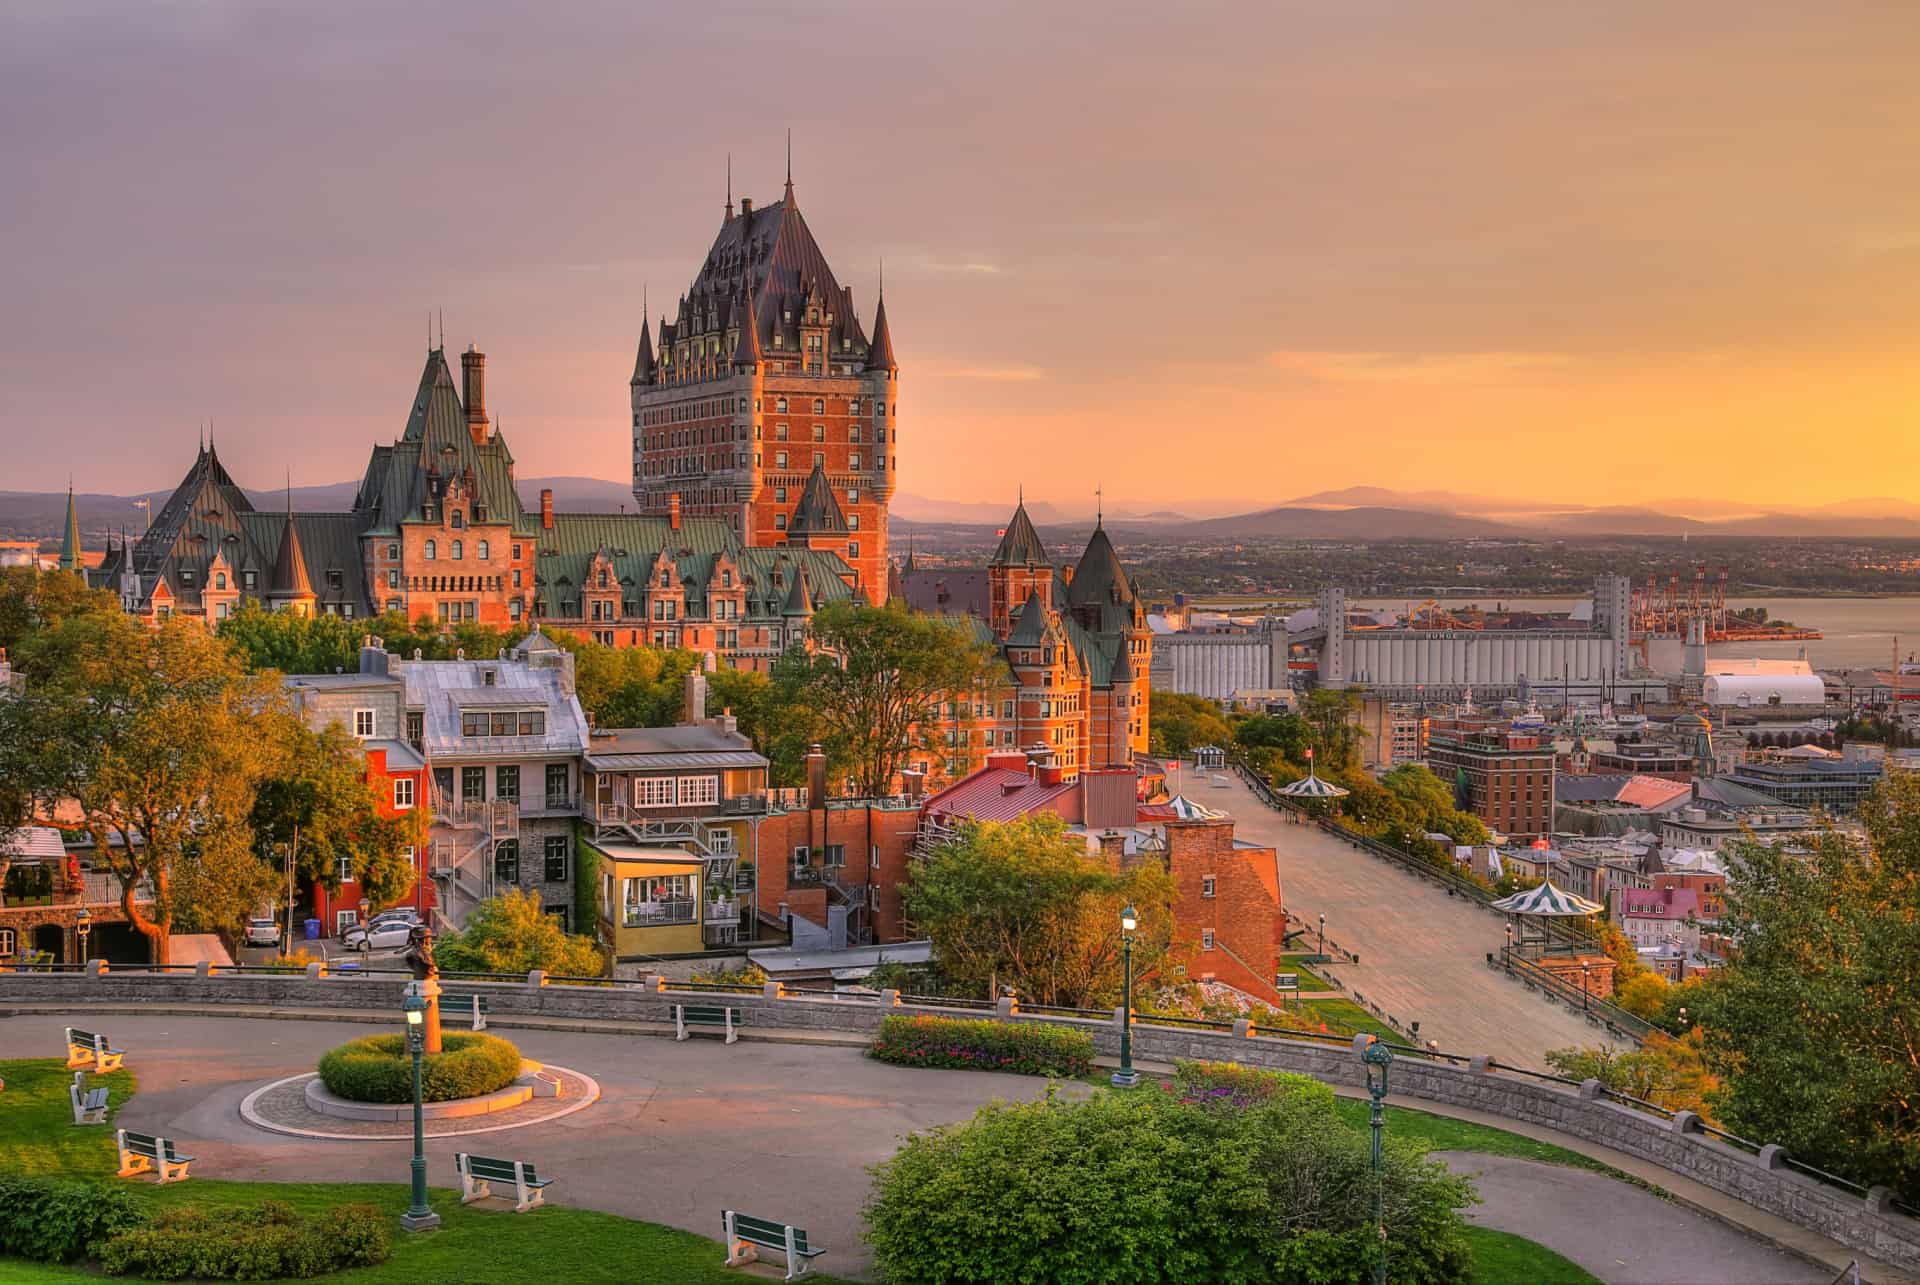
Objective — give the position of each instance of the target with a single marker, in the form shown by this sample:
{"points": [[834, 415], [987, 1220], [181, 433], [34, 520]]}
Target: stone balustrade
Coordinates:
{"points": [[1868, 1225]]}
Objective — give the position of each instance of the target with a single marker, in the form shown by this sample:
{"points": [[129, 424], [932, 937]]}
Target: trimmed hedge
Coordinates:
{"points": [[379, 1069], [54, 1221], [979, 1044], [254, 1243]]}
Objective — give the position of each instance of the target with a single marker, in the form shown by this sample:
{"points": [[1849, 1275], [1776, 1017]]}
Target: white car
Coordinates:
{"points": [[263, 931], [384, 933]]}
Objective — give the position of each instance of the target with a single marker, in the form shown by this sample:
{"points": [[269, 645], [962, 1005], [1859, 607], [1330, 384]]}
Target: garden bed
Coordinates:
{"points": [[977, 1044], [378, 1068]]}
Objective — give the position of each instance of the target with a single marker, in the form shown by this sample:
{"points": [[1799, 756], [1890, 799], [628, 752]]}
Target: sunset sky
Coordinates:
{"points": [[1598, 252]]}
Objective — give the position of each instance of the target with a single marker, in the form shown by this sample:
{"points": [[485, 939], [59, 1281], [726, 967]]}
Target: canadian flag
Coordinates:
{"points": [[1000, 531]]}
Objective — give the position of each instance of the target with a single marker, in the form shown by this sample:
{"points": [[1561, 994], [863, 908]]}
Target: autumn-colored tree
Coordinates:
{"points": [[1178, 723], [1665, 1071]]}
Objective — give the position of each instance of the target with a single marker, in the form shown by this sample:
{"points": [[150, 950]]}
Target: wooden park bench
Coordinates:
{"points": [[146, 1153], [717, 1015], [89, 1105], [768, 1234], [478, 1173], [464, 1004], [84, 1048]]}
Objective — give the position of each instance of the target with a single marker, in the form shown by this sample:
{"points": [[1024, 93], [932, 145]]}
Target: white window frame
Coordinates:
{"points": [[363, 724], [1206, 885], [345, 869], [9, 943], [403, 796], [345, 919], [653, 792], [697, 790], [1206, 939]]}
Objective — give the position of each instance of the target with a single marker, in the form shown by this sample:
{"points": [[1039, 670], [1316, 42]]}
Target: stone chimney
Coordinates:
{"points": [[746, 206], [695, 711], [546, 508], [473, 391], [673, 510], [373, 656]]}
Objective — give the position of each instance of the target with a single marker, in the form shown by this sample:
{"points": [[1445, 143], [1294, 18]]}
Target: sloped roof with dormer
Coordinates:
{"points": [[818, 512]]}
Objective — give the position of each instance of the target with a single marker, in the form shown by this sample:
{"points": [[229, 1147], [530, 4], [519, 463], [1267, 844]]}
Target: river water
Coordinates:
{"points": [[1859, 632]]}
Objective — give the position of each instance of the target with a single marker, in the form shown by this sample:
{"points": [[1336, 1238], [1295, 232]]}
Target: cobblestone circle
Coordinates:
{"points": [[281, 1107]]}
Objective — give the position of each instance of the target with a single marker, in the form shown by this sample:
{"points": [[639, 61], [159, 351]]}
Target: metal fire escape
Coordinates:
{"points": [[466, 833]]}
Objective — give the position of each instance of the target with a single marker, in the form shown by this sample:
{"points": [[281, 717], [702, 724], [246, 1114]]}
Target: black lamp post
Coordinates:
{"points": [[1509, 937], [420, 1215], [1126, 1077], [1323, 935], [82, 925], [1585, 969], [1373, 1054]]}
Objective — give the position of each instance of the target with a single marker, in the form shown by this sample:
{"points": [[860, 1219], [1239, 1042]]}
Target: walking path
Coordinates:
{"points": [[684, 1130], [1422, 952]]}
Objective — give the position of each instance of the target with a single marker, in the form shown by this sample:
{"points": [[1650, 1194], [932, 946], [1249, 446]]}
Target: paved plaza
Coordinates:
{"points": [[685, 1130], [1422, 952]]}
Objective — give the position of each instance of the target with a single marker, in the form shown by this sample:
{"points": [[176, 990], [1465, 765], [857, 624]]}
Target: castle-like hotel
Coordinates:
{"points": [[765, 435]]}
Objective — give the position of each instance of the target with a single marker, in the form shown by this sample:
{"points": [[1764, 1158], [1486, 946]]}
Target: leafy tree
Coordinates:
{"points": [[292, 643], [1154, 1185], [1178, 722], [34, 604], [1023, 903], [513, 933], [875, 682], [1814, 1023], [1644, 995], [323, 806], [1665, 1071], [158, 741]]}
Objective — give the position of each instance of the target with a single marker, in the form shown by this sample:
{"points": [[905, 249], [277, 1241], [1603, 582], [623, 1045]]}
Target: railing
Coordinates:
{"points": [[724, 911], [1615, 1019], [649, 914], [744, 804]]}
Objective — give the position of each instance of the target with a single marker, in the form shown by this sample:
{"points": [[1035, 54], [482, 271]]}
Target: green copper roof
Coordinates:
{"points": [[70, 541]]}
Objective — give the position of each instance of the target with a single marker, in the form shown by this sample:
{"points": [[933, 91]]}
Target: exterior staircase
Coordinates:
{"points": [[461, 848]]}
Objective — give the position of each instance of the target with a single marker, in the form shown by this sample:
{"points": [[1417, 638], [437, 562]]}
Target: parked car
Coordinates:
{"points": [[263, 931], [382, 933]]}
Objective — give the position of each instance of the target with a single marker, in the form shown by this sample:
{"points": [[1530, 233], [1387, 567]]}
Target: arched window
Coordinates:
{"points": [[459, 551], [484, 553], [219, 579], [432, 551], [666, 579], [455, 520]]}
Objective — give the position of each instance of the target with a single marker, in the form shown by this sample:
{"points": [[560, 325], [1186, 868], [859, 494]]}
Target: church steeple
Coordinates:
{"points": [[70, 540]]}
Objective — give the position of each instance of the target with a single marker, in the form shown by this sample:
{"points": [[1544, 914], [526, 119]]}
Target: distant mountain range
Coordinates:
{"points": [[1353, 513]]}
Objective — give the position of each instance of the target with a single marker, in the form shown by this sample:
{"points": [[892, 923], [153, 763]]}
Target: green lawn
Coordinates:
{"points": [[1309, 980], [1502, 1258], [37, 1133], [1442, 1133], [1344, 1013]]}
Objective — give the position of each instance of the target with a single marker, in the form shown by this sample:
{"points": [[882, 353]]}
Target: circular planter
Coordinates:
{"points": [[516, 1094]]}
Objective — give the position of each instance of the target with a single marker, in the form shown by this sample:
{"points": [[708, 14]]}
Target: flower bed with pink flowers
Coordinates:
{"points": [[965, 1044]]}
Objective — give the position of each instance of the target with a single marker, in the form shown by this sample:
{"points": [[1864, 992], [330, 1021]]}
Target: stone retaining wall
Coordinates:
{"points": [[1867, 1226]]}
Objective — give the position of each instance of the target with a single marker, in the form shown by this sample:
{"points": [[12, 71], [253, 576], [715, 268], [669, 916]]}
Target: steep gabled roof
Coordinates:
{"points": [[1099, 577], [818, 512], [1029, 625], [434, 448], [643, 364], [799, 601], [1020, 546]]}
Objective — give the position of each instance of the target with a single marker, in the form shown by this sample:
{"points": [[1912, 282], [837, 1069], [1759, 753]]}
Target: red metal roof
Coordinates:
{"points": [[997, 794]]}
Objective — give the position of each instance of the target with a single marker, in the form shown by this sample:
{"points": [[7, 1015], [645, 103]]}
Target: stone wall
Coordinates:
{"points": [[1867, 1226]]}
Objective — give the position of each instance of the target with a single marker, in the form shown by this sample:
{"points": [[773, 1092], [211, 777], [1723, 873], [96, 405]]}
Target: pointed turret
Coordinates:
{"points": [[1029, 623], [818, 512], [290, 589], [70, 540], [643, 365], [1122, 671], [1020, 546], [799, 601], [880, 352]]}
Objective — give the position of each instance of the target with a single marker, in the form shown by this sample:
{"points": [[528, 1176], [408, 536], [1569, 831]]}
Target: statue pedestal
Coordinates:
{"points": [[428, 988]]}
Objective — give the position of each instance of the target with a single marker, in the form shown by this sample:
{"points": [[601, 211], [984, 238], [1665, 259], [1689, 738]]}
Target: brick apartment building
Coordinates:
{"points": [[1504, 777]]}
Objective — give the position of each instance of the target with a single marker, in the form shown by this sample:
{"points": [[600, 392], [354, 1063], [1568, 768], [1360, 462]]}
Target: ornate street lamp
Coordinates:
{"points": [[1323, 937], [1372, 1053], [1585, 969], [1126, 1077], [82, 925], [420, 1215]]}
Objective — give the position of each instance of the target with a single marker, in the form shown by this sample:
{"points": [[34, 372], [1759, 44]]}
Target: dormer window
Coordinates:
{"points": [[248, 579], [333, 580], [219, 579], [186, 578], [666, 579], [456, 520], [726, 579]]}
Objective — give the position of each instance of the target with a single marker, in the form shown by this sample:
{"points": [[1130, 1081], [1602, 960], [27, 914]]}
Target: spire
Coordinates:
{"points": [[880, 351], [290, 581], [1122, 671], [910, 534], [70, 542], [799, 601], [1020, 546], [729, 217], [643, 359], [789, 197], [747, 351]]}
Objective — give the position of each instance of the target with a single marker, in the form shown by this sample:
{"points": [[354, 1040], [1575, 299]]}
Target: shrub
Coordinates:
{"points": [[251, 1243], [379, 1069], [55, 1221], [1230, 1084], [964, 1044], [1142, 1186]]}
